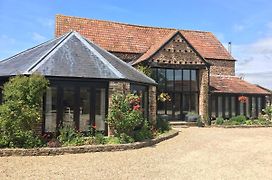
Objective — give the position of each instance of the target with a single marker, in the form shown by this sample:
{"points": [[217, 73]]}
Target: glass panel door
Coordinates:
{"points": [[100, 109], [51, 110], [84, 111], [177, 106], [68, 106]]}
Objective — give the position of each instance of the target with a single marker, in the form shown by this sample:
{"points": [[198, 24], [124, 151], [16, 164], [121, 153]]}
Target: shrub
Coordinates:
{"points": [[21, 111], [113, 140], [219, 121], [100, 138], [199, 122], [124, 139], [237, 120], [143, 133], [268, 112], [125, 114], [162, 125], [68, 136]]}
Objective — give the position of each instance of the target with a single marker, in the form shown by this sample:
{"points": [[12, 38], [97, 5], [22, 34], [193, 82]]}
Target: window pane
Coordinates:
{"points": [[84, 118], [194, 103], [194, 85], [161, 79], [177, 106], [170, 79], [241, 108], [213, 107], [161, 107], [141, 91], [226, 106], [220, 106], [185, 103], [233, 106], [51, 109], [169, 106], [254, 115], [259, 105], [178, 80], [68, 107], [100, 109], [186, 80], [154, 74], [247, 108]]}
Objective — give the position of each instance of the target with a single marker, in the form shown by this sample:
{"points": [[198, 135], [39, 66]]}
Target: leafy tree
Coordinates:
{"points": [[21, 110]]}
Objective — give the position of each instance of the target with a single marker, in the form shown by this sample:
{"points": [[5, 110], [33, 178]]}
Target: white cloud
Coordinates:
{"points": [[254, 61], [38, 37]]}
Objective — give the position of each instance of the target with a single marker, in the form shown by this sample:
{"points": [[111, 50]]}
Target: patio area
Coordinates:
{"points": [[196, 153]]}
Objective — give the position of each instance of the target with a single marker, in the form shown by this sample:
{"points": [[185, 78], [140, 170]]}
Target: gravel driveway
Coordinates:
{"points": [[196, 153]]}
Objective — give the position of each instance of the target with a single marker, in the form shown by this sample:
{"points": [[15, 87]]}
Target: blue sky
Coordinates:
{"points": [[247, 24]]}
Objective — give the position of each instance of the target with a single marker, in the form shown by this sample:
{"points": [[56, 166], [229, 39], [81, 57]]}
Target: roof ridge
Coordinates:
{"points": [[34, 66], [135, 25], [86, 43], [121, 61]]}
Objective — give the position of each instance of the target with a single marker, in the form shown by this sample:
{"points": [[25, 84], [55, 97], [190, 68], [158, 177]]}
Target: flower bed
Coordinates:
{"points": [[46, 151], [242, 122]]}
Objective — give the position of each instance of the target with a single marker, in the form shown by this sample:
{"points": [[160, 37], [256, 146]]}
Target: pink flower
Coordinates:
{"points": [[136, 107]]}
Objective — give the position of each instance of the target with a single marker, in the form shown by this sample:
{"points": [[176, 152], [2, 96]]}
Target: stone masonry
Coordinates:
{"points": [[222, 67], [203, 94], [152, 105]]}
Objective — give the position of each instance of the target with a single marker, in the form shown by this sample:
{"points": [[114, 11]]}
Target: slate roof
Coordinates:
{"points": [[71, 55], [127, 38], [233, 84]]}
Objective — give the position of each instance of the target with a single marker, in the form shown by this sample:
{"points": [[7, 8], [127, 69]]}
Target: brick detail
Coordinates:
{"points": [[177, 51], [152, 105], [222, 67], [127, 57], [203, 94]]}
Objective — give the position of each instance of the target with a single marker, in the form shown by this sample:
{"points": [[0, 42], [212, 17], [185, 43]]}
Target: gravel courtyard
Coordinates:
{"points": [[196, 153]]}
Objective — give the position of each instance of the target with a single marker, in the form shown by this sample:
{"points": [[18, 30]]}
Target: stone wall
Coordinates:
{"points": [[127, 57], [203, 94], [152, 105], [47, 151], [222, 67]]}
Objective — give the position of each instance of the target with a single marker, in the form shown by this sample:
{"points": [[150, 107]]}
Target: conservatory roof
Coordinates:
{"points": [[71, 55]]}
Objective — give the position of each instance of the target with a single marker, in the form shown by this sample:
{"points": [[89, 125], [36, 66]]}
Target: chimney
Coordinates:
{"points": [[229, 47]]}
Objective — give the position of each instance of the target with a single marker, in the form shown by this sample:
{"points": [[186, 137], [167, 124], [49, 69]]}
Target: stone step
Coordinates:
{"points": [[181, 124]]}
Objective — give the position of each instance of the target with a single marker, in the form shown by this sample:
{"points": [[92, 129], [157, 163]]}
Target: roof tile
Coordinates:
{"points": [[121, 37]]}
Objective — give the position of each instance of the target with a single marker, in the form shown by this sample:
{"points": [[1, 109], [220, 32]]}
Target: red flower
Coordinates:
{"points": [[136, 107]]}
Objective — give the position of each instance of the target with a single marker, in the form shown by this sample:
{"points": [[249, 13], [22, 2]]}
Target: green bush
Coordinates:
{"points": [[162, 125], [219, 121], [21, 110], [125, 114], [237, 120], [124, 138], [100, 138], [144, 133], [199, 122], [68, 136], [113, 140], [268, 112]]}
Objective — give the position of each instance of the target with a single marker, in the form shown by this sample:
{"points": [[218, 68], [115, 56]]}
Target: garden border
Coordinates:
{"points": [[47, 151], [241, 126]]}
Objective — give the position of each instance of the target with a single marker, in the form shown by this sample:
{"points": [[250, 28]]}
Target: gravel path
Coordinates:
{"points": [[196, 153]]}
